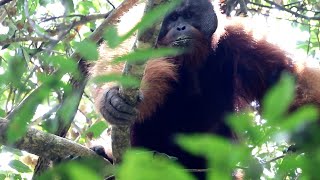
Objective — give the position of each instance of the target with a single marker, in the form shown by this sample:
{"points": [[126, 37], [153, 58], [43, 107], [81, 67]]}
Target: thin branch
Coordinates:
{"points": [[290, 4], [260, 5], [309, 40], [318, 38], [3, 13], [274, 159], [280, 18], [33, 25], [292, 12], [61, 17], [28, 99], [197, 170], [111, 4], [83, 19], [8, 99], [76, 23], [45, 116], [88, 120], [112, 19]]}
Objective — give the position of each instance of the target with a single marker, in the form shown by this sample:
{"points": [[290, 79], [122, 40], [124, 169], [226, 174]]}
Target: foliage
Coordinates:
{"points": [[89, 168], [150, 166], [304, 15], [261, 153], [37, 76]]}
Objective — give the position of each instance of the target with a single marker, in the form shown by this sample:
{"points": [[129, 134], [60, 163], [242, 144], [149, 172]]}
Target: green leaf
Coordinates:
{"points": [[142, 165], [44, 2], [3, 37], [84, 7], [33, 5], [221, 155], [154, 15], [87, 49], [304, 27], [143, 55], [15, 176], [304, 114], [303, 45], [96, 5], [12, 150], [18, 125], [20, 8], [68, 4], [16, 68], [2, 113], [255, 169], [24, 112], [19, 166], [126, 81], [278, 99], [64, 64], [242, 124], [97, 128], [2, 176], [25, 54], [84, 168], [112, 37], [289, 163], [68, 108]]}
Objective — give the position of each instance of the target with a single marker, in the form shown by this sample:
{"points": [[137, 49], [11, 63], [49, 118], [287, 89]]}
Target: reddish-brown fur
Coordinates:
{"points": [[271, 60], [192, 57], [258, 57], [192, 94], [159, 73], [308, 85], [158, 76]]}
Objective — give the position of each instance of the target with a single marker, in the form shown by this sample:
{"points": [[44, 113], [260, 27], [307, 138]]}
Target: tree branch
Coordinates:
{"points": [[3, 12], [243, 7], [120, 135], [292, 12], [45, 144], [260, 5], [82, 20], [21, 39], [112, 19], [78, 84]]}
